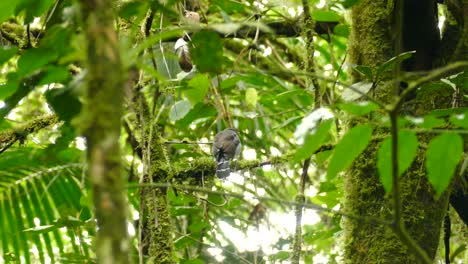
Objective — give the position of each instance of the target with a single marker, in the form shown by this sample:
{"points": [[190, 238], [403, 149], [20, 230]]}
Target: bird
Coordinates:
{"points": [[181, 46], [226, 146]]}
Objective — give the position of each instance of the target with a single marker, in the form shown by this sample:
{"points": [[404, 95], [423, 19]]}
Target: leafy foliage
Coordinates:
{"points": [[244, 76]]}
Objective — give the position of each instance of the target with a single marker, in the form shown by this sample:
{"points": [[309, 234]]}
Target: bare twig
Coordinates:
{"points": [[360, 218]]}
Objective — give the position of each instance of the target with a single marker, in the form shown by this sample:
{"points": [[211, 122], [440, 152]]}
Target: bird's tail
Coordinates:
{"points": [[223, 170]]}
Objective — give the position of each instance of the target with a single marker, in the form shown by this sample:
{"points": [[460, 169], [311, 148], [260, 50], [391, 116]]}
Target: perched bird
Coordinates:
{"points": [[226, 146], [181, 46], [182, 50]]}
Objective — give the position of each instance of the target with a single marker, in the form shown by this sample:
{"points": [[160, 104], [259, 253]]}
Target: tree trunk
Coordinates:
{"points": [[374, 41], [100, 122]]}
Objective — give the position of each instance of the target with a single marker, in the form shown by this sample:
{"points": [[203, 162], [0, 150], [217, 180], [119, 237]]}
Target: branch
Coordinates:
{"points": [[300, 199], [10, 136], [365, 219], [432, 75]]}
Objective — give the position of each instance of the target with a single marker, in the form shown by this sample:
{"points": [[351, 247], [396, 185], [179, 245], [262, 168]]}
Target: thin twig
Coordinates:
{"points": [[300, 199], [365, 219]]}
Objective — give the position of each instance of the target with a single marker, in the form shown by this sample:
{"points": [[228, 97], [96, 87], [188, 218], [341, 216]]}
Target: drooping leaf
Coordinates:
{"points": [[365, 71], [356, 91], [442, 156], [359, 109], [133, 9], [407, 149], [34, 59], [313, 141], [199, 113], [55, 74], [199, 86], [179, 110], [349, 3], [207, 51], [342, 30], [6, 9], [32, 8], [391, 63], [8, 88], [460, 120], [64, 102], [349, 148], [326, 16], [7, 52], [230, 6]]}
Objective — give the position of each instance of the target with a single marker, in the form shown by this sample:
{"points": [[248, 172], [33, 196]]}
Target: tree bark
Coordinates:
{"points": [[100, 122], [373, 41]]}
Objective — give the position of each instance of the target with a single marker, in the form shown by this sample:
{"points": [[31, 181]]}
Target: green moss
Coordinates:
{"points": [[370, 42], [422, 215]]}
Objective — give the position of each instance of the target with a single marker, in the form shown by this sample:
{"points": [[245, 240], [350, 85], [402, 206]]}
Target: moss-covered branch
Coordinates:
{"points": [[10, 136]]}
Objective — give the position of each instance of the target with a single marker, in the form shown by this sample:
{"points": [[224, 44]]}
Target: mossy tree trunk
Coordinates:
{"points": [[100, 122], [373, 41], [155, 226]]}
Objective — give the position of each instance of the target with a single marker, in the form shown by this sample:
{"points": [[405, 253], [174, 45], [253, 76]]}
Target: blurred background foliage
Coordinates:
{"points": [[246, 76]]}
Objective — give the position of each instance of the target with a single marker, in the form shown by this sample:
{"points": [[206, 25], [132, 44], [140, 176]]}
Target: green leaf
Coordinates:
{"points": [[230, 6], [32, 8], [349, 3], [442, 156], [460, 120], [432, 122], [358, 89], [55, 75], [349, 148], [6, 53], [359, 109], [251, 98], [8, 88], [34, 59], [207, 51], [281, 255], [133, 9], [313, 141], [342, 30], [200, 112], [179, 110], [199, 85], [364, 70], [7, 8], [407, 149], [64, 102], [391, 63], [326, 16]]}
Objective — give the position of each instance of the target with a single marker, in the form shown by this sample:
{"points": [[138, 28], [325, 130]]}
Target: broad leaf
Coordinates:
{"points": [[407, 149], [361, 108], [64, 102], [6, 53], [364, 70], [391, 63], [442, 156], [460, 120], [6, 9], [34, 59], [314, 140], [179, 110], [326, 16], [349, 148], [199, 86], [207, 51], [348, 3]]}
